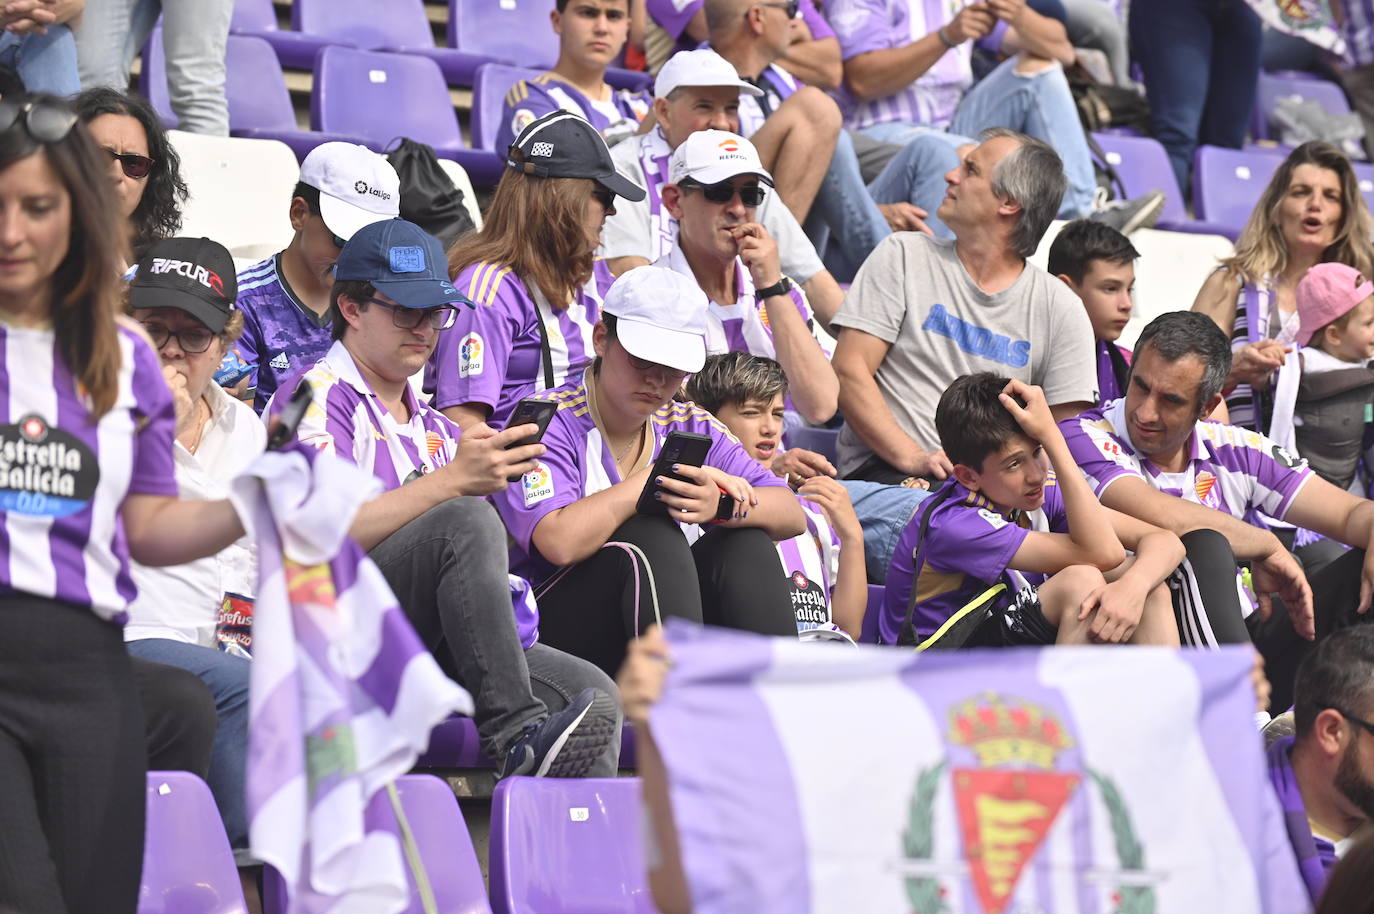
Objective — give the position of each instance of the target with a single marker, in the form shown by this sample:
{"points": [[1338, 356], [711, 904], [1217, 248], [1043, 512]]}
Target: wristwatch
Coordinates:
{"points": [[781, 287]]}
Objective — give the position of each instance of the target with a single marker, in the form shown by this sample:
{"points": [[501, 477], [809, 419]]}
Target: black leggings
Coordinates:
{"points": [[71, 762], [1206, 601], [731, 577]]}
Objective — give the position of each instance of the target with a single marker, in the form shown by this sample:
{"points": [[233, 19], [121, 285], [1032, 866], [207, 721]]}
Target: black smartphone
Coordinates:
{"points": [[528, 410], [284, 432], [681, 448]]}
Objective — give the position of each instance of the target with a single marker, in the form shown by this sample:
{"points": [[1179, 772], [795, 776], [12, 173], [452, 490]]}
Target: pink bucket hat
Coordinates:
{"points": [[1326, 292]]}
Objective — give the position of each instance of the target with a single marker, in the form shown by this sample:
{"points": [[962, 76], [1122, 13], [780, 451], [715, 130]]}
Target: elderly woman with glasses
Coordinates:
{"points": [[532, 272], [88, 485]]}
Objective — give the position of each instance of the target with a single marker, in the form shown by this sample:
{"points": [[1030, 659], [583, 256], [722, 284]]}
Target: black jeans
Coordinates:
{"points": [[731, 577], [72, 762]]}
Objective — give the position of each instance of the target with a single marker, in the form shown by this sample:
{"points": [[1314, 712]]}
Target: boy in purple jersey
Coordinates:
{"points": [[1098, 263], [713, 192], [591, 34], [437, 542], [285, 298], [1006, 518]]}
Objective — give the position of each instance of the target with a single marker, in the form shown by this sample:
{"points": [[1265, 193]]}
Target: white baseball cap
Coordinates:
{"points": [[660, 317], [357, 186], [701, 67], [712, 156]]}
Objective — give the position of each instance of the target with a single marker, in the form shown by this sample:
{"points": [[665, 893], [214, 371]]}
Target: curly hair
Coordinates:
{"points": [[159, 212]]}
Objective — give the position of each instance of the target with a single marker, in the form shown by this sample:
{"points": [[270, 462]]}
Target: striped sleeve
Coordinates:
{"points": [[1103, 457]]}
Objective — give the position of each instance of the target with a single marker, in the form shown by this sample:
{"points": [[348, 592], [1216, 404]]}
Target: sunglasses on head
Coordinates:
{"points": [[724, 192], [134, 165], [46, 122]]}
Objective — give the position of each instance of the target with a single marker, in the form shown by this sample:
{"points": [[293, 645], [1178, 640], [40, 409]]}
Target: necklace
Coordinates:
{"points": [[202, 417], [625, 450]]}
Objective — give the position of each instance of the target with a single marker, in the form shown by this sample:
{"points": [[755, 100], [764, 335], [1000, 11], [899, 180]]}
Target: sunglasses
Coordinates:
{"points": [[750, 194], [440, 317], [605, 197], [45, 122], [792, 7], [134, 165], [193, 340]]}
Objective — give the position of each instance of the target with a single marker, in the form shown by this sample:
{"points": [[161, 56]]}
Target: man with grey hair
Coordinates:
{"points": [[923, 311]]}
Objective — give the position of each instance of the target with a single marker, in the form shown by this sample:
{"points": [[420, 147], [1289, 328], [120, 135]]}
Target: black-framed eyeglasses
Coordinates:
{"points": [[750, 195], [605, 196], [134, 165], [46, 122], [440, 317], [1363, 724], [792, 7], [192, 340]]}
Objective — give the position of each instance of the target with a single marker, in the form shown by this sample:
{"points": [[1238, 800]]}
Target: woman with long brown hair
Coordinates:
{"points": [[1310, 213], [531, 274], [86, 483]]}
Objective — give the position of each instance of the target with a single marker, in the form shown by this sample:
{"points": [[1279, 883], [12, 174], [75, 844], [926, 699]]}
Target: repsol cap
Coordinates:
{"points": [[563, 145], [357, 186], [401, 260], [195, 275]]}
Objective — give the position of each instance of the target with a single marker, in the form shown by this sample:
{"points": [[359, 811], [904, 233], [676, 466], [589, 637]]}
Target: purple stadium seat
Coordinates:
{"points": [[379, 97], [560, 846], [187, 865], [253, 16], [443, 841], [1228, 182], [869, 633], [820, 440], [1274, 86], [1364, 174], [489, 87], [259, 19], [508, 30], [454, 743], [1144, 166]]}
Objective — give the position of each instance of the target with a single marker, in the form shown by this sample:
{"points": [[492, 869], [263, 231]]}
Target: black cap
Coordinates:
{"points": [[195, 275], [563, 145]]}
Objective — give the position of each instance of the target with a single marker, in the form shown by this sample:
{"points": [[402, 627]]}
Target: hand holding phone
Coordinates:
{"points": [[682, 449], [527, 411], [284, 431]]}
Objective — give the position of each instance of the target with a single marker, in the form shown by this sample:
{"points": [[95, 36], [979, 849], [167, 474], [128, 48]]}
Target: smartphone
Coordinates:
{"points": [[681, 448], [528, 410], [284, 432]]}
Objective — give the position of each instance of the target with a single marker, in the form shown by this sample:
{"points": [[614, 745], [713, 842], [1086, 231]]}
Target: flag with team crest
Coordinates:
{"points": [[1308, 19], [1084, 780], [343, 693]]}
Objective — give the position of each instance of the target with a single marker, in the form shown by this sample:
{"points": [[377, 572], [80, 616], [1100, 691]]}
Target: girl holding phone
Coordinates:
{"points": [[604, 570]]}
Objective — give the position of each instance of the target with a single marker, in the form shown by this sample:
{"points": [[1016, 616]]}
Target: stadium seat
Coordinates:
{"points": [[821, 440], [240, 191], [259, 19], [454, 743], [489, 87], [379, 97], [1144, 166], [1274, 86], [1364, 174], [1227, 184], [187, 865], [869, 633], [560, 846]]}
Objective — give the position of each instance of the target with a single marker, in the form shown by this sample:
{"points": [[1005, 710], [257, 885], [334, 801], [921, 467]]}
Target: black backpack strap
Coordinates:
{"points": [[907, 636], [545, 353], [1099, 155], [1121, 370]]}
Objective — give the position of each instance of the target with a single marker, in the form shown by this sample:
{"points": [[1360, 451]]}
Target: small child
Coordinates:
{"points": [[1098, 263], [824, 565], [1012, 552]]}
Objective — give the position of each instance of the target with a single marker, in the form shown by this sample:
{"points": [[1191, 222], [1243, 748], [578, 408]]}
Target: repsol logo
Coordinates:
{"points": [[363, 187]]}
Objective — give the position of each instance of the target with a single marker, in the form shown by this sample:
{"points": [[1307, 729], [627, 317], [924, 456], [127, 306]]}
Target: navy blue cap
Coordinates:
{"points": [[402, 260]]}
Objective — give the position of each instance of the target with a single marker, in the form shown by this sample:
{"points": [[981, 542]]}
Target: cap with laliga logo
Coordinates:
{"points": [[357, 187], [699, 67], [712, 156], [403, 261], [563, 145], [195, 275], [660, 316]]}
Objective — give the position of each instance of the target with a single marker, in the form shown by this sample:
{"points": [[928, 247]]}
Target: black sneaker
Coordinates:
{"points": [[566, 744], [1128, 215]]}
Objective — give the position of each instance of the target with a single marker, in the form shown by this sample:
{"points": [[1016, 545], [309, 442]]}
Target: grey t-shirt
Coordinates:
{"points": [[914, 294], [645, 229]]}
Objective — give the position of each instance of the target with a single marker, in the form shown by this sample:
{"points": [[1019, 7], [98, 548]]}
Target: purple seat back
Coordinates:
{"points": [[379, 97], [1144, 166], [1274, 86], [254, 85], [489, 88], [512, 30], [187, 865], [360, 22], [566, 845], [1227, 183], [253, 16], [821, 440], [1364, 175], [869, 633]]}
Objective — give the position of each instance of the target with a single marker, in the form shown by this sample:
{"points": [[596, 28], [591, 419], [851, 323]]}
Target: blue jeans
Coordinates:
{"points": [[1200, 59], [883, 512], [1037, 104], [46, 63], [227, 679]]}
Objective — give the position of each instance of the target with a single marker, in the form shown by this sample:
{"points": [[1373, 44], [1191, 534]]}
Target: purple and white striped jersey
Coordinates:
{"points": [[1109, 387], [493, 355], [1231, 469], [811, 561], [530, 99], [1357, 28], [778, 85], [63, 478], [875, 25], [577, 463], [281, 336]]}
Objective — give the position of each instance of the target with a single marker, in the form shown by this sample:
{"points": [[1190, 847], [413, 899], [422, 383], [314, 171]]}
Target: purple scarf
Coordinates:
{"points": [[1316, 856]]}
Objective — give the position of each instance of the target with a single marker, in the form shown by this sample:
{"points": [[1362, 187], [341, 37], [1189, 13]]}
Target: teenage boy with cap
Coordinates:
{"points": [[436, 540], [285, 298], [715, 187], [699, 90], [183, 295]]}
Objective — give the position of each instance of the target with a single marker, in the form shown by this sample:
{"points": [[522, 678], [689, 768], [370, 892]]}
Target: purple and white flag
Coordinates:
{"points": [[343, 693], [1066, 780], [1308, 19]]}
